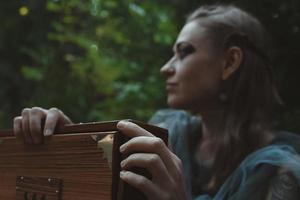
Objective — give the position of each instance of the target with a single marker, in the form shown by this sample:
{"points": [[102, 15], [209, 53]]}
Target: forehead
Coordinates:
{"points": [[192, 32]]}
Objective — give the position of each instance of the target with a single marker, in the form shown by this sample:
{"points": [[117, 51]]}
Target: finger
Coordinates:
{"points": [[18, 127], [62, 118], [132, 130], [151, 162], [141, 183], [154, 145], [147, 145], [25, 126], [36, 117], [51, 121], [55, 119]]}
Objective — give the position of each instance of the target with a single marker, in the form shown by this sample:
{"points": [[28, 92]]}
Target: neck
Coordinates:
{"points": [[210, 121], [206, 148]]}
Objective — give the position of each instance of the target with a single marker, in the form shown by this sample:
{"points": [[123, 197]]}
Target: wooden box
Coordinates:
{"points": [[79, 162]]}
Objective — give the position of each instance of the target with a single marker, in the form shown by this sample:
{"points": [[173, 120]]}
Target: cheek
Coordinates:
{"points": [[201, 70], [200, 79]]}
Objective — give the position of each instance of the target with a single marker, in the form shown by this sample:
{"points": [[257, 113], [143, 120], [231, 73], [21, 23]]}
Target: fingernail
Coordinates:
{"points": [[122, 164], [122, 173], [122, 148], [47, 132], [121, 124]]}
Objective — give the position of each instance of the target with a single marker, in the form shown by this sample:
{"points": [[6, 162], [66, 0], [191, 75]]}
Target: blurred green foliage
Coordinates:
{"points": [[100, 59], [96, 60]]}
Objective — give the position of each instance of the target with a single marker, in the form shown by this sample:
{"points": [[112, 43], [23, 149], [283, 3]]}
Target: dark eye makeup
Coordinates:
{"points": [[184, 49]]}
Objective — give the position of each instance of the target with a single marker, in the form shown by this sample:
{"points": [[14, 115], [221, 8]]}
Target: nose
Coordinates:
{"points": [[168, 68]]}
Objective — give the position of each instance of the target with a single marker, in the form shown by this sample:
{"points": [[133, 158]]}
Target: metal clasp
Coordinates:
{"points": [[38, 188]]}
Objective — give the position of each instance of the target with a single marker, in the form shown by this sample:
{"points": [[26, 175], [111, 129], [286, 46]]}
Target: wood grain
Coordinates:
{"points": [[76, 160], [71, 155]]}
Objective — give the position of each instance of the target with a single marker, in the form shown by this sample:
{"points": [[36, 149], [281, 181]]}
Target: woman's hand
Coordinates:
{"points": [[29, 126], [167, 181]]}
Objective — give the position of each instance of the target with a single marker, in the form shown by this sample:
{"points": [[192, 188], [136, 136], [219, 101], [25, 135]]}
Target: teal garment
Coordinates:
{"points": [[250, 180]]}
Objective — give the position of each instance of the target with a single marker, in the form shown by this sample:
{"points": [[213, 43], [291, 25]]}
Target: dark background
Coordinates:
{"points": [[100, 59]]}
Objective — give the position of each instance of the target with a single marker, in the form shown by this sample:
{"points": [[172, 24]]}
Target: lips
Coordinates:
{"points": [[171, 86]]}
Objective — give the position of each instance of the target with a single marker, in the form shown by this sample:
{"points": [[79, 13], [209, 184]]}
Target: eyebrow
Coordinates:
{"points": [[177, 45]]}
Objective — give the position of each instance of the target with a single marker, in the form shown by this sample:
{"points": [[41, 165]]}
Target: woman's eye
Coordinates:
{"points": [[184, 51]]}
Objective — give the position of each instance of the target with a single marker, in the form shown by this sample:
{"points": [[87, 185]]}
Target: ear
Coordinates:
{"points": [[233, 60]]}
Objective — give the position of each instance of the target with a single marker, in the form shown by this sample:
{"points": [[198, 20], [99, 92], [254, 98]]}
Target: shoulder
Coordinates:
{"points": [[288, 138], [261, 173], [167, 118], [285, 184], [284, 150], [178, 122]]}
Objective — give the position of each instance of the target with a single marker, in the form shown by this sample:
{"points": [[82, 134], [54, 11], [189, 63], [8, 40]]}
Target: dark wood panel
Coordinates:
{"points": [[76, 160], [71, 155]]}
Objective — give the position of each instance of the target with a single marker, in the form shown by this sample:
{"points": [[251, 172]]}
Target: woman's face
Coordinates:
{"points": [[193, 74]]}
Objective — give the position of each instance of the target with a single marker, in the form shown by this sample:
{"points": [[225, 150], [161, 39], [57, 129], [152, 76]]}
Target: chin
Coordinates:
{"points": [[176, 103], [184, 104]]}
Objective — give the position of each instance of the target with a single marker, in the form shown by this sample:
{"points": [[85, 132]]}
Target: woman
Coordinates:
{"points": [[221, 72]]}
